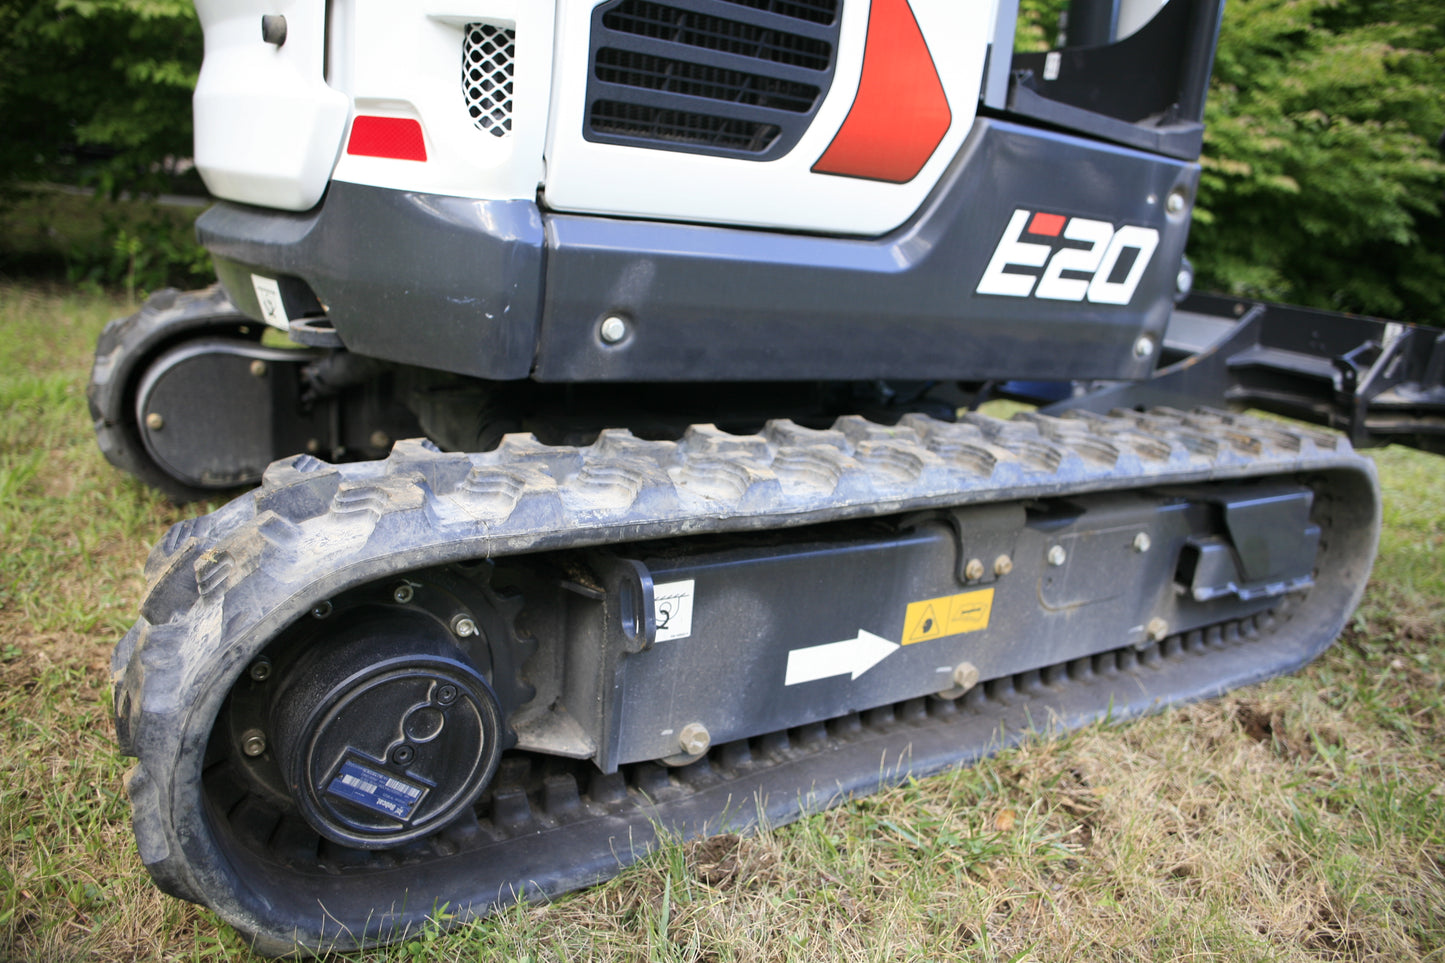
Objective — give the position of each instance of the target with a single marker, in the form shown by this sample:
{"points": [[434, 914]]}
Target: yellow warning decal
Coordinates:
{"points": [[947, 615]]}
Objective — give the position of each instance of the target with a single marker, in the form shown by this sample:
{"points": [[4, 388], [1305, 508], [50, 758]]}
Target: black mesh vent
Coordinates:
{"points": [[740, 78], [699, 80], [663, 22], [639, 120], [817, 11]]}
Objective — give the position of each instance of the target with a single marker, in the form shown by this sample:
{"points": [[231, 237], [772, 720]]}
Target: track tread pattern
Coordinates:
{"points": [[221, 586]]}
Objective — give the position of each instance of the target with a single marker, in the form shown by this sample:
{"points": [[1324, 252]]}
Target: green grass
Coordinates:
{"points": [[1299, 820]]}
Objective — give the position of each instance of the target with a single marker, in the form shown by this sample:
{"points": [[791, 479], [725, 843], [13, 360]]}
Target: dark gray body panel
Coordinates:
{"points": [[502, 291], [708, 303], [443, 282]]}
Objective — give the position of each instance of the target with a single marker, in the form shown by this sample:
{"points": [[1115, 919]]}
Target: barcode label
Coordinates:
{"points": [[375, 790]]}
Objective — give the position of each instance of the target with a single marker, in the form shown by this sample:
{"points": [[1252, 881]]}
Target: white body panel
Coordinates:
{"points": [[271, 131], [608, 179], [267, 126], [400, 58]]}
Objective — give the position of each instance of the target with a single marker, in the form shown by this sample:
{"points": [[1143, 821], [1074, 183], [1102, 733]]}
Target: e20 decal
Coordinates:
{"points": [[1105, 272]]}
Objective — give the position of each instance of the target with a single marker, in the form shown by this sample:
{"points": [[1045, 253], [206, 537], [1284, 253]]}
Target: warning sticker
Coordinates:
{"points": [[947, 615], [375, 790], [672, 610], [268, 295]]}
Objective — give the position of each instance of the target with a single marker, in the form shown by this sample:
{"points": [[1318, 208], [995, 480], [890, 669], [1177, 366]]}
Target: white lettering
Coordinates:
{"points": [[1142, 239], [1085, 260], [1012, 251]]}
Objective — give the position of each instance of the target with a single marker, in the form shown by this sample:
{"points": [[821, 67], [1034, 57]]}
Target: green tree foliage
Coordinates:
{"points": [[1323, 182], [97, 88]]}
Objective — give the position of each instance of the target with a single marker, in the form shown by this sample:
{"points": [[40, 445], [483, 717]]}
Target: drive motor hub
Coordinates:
{"points": [[386, 736]]}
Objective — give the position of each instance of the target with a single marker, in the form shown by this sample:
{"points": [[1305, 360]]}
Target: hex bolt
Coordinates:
{"points": [[1157, 629], [402, 755], [260, 670], [321, 610], [446, 694], [464, 627], [694, 739], [1175, 202], [973, 571], [253, 742], [1142, 543], [154, 421], [613, 328], [258, 368], [1057, 556], [965, 675], [1144, 347], [1003, 565], [402, 593]]}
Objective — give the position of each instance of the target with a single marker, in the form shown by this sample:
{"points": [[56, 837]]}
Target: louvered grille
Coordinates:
{"points": [[818, 11], [700, 80], [741, 78], [488, 55], [639, 120], [674, 25]]}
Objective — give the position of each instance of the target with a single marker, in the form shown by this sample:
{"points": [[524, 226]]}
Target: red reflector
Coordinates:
{"points": [[396, 137], [900, 112], [1048, 225]]}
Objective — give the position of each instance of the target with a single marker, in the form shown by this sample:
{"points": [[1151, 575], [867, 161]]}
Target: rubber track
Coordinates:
{"points": [[222, 586], [125, 346]]}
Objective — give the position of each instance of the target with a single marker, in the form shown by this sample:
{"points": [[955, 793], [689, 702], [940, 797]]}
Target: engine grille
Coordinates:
{"points": [[488, 55], [737, 78]]}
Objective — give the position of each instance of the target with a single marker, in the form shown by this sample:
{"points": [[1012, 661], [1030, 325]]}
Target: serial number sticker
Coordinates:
{"points": [[947, 615], [268, 294], [376, 790], [672, 610]]}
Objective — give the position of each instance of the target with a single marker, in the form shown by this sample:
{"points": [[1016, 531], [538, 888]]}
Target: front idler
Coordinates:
{"points": [[386, 733]]}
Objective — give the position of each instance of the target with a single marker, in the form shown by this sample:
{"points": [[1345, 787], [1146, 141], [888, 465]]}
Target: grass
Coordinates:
{"points": [[1302, 819]]}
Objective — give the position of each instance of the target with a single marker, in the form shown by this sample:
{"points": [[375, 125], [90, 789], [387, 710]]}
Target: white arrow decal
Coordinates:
{"points": [[849, 657]]}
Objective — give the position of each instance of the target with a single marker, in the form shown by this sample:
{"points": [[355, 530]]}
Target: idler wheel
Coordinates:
{"points": [[386, 734]]}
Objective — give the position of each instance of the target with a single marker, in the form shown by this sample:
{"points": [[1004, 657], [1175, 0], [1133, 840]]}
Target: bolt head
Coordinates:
{"points": [[403, 593], [154, 421], [1142, 542], [1175, 203], [973, 571], [1003, 565], [321, 610], [258, 368], [613, 329], [1057, 556], [380, 439], [464, 627], [965, 675], [402, 755], [1144, 347], [253, 742], [260, 670], [694, 739], [446, 694], [1157, 629]]}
